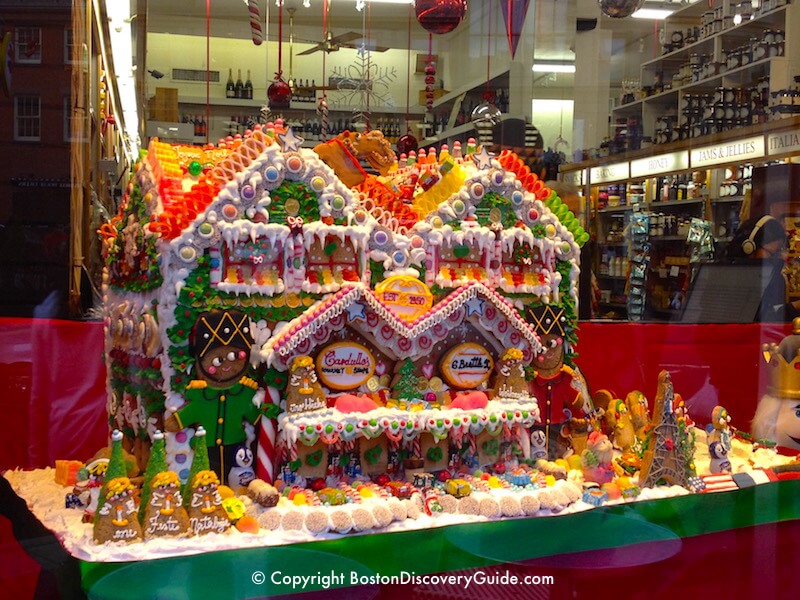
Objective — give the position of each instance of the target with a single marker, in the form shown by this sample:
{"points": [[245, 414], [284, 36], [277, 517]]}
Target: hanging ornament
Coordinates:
{"points": [[619, 9], [430, 76], [440, 16], [279, 93], [514, 12], [255, 22], [486, 111], [406, 143]]}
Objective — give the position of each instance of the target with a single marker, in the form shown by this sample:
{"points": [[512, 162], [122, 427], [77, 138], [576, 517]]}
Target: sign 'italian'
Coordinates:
{"points": [[345, 365]]}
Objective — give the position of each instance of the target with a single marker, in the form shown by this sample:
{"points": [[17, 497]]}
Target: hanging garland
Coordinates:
{"points": [[294, 190]]}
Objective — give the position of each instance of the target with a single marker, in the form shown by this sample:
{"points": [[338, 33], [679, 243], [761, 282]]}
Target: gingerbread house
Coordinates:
{"points": [[266, 228]]}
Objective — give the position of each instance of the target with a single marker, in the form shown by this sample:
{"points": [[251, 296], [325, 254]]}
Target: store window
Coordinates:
{"points": [[27, 118], [29, 46]]}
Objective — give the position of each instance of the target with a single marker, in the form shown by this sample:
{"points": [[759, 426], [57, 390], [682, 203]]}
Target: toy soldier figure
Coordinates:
{"points": [[221, 399]]}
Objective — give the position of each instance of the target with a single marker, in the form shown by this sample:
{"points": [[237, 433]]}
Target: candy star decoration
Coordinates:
{"points": [[475, 306], [483, 160], [355, 312], [290, 141]]}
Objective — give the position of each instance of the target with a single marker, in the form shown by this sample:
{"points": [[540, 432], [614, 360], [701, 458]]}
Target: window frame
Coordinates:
{"points": [[69, 42], [19, 55], [18, 137]]}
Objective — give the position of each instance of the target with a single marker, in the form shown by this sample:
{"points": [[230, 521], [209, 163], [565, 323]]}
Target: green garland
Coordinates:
{"points": [[434, 454], [314, 458], [376, 271], [492, 200], [309, 203]]}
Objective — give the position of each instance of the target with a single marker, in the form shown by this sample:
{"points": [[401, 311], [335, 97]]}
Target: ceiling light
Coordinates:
{"points": [[545, 67], [652, 13]]}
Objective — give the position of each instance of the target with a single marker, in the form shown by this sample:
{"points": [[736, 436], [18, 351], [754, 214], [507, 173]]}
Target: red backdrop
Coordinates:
{"points": [[52, 377]]}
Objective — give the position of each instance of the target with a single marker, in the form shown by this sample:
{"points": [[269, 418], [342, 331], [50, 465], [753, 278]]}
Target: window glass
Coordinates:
{"points": [[27, 118], [29, 45]]}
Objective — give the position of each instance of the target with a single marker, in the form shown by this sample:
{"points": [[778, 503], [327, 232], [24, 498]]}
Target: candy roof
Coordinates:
{"points": [[316, 324]]}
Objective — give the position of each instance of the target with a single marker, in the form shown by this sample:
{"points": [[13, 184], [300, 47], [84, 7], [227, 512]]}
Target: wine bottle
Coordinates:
{"points": [[230, 89], [239, 88], [248, 87]]}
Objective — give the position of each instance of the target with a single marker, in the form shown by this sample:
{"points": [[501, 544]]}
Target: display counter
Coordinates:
{"points": [[55, 368]]}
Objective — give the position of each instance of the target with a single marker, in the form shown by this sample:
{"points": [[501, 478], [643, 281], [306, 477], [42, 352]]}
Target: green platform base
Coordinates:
{"points": [[229, 574]]}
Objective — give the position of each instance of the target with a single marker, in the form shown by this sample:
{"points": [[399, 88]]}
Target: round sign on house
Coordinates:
{"points": [[345, 365], [467, 365]]}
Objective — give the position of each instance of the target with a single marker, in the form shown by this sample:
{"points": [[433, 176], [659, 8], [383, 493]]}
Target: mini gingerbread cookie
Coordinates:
{"points": [[165, 515], [304, 392], [206, 514], [117, 519], [510, 381]]}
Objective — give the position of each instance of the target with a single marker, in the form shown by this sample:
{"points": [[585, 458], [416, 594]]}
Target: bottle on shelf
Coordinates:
{"points": [[248, 87], [239, 87], [230, 88]]}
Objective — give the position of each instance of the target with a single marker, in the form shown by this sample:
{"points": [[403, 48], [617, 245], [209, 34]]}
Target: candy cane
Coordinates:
{"points": [[473, 444], [322, 109], [524, 440], [266, 453], [416, 447], [255, 22]]}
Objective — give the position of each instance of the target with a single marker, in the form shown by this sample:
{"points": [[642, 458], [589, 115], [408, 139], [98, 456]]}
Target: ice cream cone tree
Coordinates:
{"points": [[199, 462], [116, 467], [157, 463]]}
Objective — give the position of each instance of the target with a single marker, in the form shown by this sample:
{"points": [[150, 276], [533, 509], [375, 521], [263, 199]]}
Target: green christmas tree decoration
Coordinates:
{"points": [[199, 462], [406, 386], [157, 463], [116, 468]]}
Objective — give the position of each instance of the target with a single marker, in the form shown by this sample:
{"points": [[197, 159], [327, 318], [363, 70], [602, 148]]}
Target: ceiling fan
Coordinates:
{"points": [[333, 43]]}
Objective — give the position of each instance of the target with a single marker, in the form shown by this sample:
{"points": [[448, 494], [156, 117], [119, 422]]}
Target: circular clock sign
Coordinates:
{"points": [[345, 365], [467, 365]]}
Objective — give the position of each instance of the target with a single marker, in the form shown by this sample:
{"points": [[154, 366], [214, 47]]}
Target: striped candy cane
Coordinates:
{"points": [[266, 453], [322, 109], [255, 22]]}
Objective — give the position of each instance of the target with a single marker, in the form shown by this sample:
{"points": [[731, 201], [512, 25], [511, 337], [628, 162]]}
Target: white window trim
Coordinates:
{"points": [[19, 55], [17, 136]]}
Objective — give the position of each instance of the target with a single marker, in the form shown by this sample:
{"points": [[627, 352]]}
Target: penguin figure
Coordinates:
{"points": [[538, 444], [719, 458], [242, 473]]}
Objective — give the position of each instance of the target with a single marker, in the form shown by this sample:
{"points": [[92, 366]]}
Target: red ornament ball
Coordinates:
{"points": [[440, 16], [279, 94], [406, 143]]}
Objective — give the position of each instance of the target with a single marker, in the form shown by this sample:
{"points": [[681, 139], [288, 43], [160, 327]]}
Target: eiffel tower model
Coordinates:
{"points": [[663, 460]]}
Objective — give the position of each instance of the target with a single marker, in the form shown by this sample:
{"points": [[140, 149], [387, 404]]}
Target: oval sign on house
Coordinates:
{"points": [[408, 298], [345, 365], [467, 365]]}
